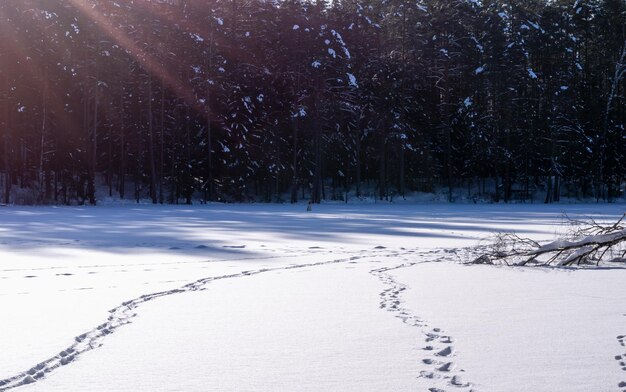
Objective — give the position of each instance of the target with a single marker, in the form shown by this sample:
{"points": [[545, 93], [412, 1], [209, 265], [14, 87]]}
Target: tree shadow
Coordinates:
{"points": [[225, 229]]}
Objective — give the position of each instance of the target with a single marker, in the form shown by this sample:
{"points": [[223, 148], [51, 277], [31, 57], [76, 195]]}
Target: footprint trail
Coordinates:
{"points": [[123, 315], [621, 359], [437, 364]]}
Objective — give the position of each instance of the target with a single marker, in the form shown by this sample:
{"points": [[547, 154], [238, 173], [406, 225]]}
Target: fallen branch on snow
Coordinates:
{"points": [[591, 243]]}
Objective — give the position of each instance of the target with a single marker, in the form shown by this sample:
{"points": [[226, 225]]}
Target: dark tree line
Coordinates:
{"points": [[243, 100]]}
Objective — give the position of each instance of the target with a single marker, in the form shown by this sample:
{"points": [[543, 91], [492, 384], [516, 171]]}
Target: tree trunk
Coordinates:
{"points": [[294, 165], [549, 191], [110, 163], [317, 176], [122, 174], [358, 163], [152, 163], [162, 143], [382, 168], [91, 180], [44, 125], [620, 70], [6, 141], [208, 190], [402, 175], [208, 193], [188, 186]]}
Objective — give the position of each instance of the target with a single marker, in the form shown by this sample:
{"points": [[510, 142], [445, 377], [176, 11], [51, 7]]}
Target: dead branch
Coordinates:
{"points": [[590, 243]]}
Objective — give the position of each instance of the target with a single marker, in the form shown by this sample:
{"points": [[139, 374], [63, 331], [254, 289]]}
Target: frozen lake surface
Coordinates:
{"points": [[272, 298]]}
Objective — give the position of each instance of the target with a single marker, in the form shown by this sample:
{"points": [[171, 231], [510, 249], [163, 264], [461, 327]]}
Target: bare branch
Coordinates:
{"points": [[590, 242]]}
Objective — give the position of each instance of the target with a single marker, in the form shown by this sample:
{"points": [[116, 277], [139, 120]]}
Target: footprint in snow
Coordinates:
{"points": [[445, 352], [443, 369], [457, 381], [446, 367], [622, 359], [440, 369], [425, 374], [446, 339], [431, 336]]}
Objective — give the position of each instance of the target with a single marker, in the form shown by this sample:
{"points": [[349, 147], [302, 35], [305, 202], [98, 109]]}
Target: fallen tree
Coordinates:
{"points": [[589, 243]]}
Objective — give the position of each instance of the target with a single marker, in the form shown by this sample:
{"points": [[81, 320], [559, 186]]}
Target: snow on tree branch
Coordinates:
{"points": [[592, 243]]}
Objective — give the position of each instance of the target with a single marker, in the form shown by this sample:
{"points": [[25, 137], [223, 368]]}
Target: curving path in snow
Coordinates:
{"points": [[122, 315], [621, 358], [305, 328], [430, 364], [438, 368]]}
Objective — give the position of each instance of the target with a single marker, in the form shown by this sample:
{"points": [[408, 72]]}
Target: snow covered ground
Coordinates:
{"points": [[272, 298]]}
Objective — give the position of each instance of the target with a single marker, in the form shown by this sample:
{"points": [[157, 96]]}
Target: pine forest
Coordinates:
{"points": [[283, 101]]}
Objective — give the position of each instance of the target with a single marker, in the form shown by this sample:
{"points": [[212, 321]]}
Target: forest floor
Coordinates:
{"points": [[274, 298]]}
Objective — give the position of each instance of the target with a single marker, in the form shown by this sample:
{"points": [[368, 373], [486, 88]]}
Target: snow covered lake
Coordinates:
{"points": [[272, 298]]}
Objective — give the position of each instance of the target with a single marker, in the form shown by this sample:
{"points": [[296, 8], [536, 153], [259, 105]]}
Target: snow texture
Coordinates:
{"points": [[352, 80], [272, 297]]}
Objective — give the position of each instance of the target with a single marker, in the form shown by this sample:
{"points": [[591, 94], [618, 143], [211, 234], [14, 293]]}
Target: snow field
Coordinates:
{"points": [[297, 330], [268, 297], [526, 329]]}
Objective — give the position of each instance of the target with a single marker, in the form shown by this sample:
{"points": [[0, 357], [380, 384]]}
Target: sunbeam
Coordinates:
{"points": [[147, 61]]}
